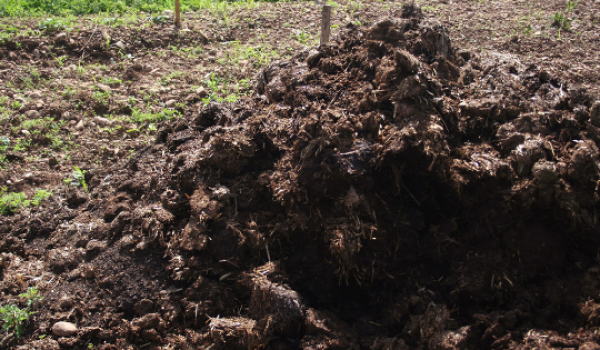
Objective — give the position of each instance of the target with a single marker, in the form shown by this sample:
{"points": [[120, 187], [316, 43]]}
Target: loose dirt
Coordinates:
{"points": [[391, 190]]}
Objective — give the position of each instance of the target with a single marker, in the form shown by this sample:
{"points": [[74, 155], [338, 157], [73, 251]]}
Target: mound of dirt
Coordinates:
{"points": [[386, 191]]}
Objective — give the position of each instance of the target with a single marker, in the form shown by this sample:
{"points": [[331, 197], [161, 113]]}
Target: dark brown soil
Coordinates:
{"points": [[395, 189]]}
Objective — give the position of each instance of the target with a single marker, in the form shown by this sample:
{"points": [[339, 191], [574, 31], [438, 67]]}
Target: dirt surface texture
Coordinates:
{"points": [[389, 190]]}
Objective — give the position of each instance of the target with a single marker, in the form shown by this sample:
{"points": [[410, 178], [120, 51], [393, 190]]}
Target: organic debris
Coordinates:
{"points": [[387, 191]]}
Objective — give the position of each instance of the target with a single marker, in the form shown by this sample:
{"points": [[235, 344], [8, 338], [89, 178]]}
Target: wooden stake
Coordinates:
{"points": [[177, 14], [325, 24]]}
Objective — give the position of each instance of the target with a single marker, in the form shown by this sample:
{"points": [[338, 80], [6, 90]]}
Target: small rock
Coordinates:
{"points": [[193, 97], [201, 91], [120, 45], [65, 303], [39, 104], [168, 13], [12, 56], [147, 321], [80, 125], [25, 133], [65, 115], [103, 88], [36, 54], [60, 36], [64, 329], [32, 114], [35, 95], [103, 122], [170, 103], [96, 246]]}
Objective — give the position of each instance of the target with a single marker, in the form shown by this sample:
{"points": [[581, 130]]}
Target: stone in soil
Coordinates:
{"points": [[64, 329]]}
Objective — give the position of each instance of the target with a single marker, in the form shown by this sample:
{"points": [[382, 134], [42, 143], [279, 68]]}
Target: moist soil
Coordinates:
{"points": [[397, 188]]}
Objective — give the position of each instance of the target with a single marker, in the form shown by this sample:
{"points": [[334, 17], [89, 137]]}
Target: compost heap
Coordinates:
{"points": [[386, 191]]}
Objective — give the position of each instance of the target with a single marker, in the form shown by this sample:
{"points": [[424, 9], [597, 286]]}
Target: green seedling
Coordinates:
{"points": [[11, 202], [79, 176], [562, 22], [160, 19], [51, 25], [39, 197], [302, 37], [13, 317], [31, 296]]}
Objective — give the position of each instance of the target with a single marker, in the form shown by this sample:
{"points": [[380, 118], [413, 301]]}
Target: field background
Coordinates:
{"points": [[84, 85]]}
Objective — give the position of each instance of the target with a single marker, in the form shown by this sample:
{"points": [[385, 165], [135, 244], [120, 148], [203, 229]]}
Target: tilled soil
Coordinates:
{"points": [[391, 190]]}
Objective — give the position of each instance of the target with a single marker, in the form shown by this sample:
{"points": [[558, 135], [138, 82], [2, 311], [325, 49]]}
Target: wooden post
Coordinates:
{"points": [[325, 24], [177, 14]]}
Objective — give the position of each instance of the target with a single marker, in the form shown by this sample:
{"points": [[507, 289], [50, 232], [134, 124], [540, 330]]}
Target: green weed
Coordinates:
{"points": [[13, 317], [561, 21], [303, 37], [79, 177], [16, 105], [147, 118], [51, 25], [12, 202]]}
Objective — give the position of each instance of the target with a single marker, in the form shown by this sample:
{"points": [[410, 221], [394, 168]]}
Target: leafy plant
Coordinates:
{"points": [[13, 317], [16, 105], [51, 25], [137, 116], [40, 196], [61, 60], [11, 202], [160, 19], [303, 37], [31, 296], [79, 176], [4, 143], [561, 21], [111, 81]]}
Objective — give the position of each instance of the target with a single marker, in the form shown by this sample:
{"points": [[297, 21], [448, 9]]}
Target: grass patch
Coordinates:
{"points": [[20, 8]]}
